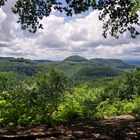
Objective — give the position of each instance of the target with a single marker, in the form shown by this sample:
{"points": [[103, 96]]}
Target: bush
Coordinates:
{"points": [[125, 87], [80, 104], [33, 102], [136, 110], [114, 107], [46, 98]]}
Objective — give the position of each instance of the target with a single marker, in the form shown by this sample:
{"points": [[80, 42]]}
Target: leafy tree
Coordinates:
{"points": [[132, 82], [115, 14], [120, 17], [7, 81], [124, 87], [51, 87], [136, 6], [33, 101]]}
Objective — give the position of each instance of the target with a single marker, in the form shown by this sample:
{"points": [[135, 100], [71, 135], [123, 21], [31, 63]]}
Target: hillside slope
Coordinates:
{"points": [[75, 58], [76, 67]]}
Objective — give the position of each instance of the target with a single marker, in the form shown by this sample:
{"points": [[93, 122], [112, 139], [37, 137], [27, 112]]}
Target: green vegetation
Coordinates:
{"points": [[136, 6], [19, 65], [50, 97], [75, 58], [75, 67]]}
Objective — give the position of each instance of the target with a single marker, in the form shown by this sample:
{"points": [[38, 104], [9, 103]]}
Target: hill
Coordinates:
{"points": [[75, 58], [111, 63], [76, 67], [19, 65], [81, 69]]}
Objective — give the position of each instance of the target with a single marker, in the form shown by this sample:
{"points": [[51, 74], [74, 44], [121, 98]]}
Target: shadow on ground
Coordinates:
{"points": [[115, 128]]}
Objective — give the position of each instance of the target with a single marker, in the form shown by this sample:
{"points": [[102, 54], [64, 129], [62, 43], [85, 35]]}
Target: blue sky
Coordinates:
{"points": [[62, 37]]}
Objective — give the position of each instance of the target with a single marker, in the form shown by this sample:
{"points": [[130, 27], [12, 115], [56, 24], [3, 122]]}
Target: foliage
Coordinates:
{"points": [[124, 87], [19, 65], [88, 103], [8, 80], [48, 98], [116, 15], [77, 105], [114, 107], [51, 87], [136, 110], [33, 102], [136, 6], [76, 69], [75, 58], [95, 72], [119, 18]]}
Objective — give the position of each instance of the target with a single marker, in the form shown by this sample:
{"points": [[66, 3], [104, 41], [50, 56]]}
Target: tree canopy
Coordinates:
{"points": [[117, 16], [136, 5]]}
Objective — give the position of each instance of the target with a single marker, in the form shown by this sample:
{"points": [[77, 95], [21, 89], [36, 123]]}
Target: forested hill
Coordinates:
{"points": [[19, 65], [75, 58], [76, 67]]}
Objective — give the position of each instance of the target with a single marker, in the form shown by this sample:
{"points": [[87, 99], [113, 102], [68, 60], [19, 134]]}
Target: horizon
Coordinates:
{"points": [[70, 56]]}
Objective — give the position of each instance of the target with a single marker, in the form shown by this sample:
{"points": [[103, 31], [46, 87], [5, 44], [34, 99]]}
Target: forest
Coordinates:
{"points": [[51, 96], [35, 93]]}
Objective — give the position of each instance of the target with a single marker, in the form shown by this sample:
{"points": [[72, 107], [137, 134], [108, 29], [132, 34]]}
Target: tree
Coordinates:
{"points": [[120, 17], [51, 87], [125, 87], [136, 6], [34, 100], [116, 15], [7, 80]]}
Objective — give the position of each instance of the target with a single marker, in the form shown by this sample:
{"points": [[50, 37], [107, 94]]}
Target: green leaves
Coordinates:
{"points": [[46, 99], [126, 86], [136, 6], [33, 102]]}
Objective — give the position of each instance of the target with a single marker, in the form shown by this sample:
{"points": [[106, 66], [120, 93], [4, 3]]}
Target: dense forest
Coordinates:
{"points": [[47, 92]]}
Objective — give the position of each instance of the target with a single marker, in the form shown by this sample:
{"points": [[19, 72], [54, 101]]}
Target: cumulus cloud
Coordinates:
{"points": [[2, 17], [61, 37]]}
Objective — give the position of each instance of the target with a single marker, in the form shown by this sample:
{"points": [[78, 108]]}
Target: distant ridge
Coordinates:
{"points": [[76, 67], [75, 58], [110, 62], [42, 61], [133, 62]]}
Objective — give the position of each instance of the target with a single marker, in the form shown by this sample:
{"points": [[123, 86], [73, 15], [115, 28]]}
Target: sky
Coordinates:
{"points": [[63, 37]]}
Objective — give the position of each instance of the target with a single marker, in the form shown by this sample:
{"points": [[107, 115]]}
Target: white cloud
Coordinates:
{"points": [[2, 17], [61, 37]]}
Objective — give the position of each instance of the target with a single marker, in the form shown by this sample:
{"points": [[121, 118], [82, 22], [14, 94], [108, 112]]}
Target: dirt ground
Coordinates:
{"points": [[115, 128]]}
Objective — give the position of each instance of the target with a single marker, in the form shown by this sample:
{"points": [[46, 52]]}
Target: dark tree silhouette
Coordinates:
{"points": [[116, 15], [2, 2], [120, 17]]}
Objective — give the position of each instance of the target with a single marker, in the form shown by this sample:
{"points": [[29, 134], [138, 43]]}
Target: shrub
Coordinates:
{"points": [[80, 104], [136, 110], [33, 102]]}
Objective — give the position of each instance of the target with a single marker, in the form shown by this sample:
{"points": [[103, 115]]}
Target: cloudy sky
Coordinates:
{"points": [[62, 37]]}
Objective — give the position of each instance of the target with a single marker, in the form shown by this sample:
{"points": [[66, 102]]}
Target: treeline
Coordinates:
{"points": [[75, 67], [20, 66], [49, 98]]}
